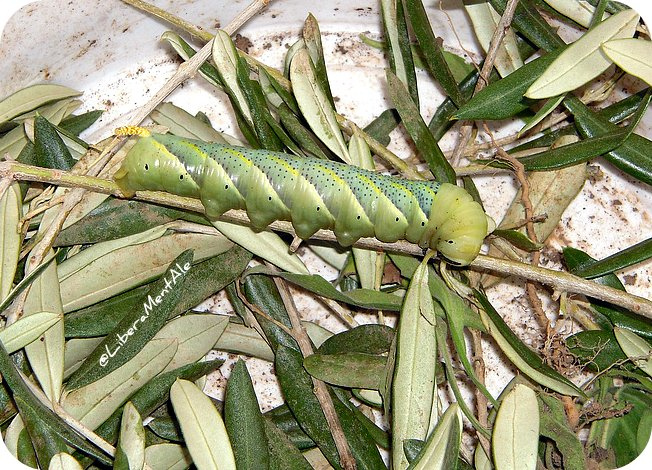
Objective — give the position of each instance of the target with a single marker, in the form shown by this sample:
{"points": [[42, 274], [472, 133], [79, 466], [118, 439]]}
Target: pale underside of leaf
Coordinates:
{"points": [[76, 350], [579, 11], [242, 339], [132, 436], [167, 457], [12, 433], [636, 348], [196, 335], [202, 427], [184, 124], [631, 55], [485, 20], [64, 461], [134, 265], [521, 364], [46, 353], [14, 140], [267, 245], [314, 104], [10, 214], [583, 60], [27, 329], [444, 441], [95, 402], [516, 430], [32, 97], [365, 260], [414, 384], [390, 20], [225, 58], [542, 113]]}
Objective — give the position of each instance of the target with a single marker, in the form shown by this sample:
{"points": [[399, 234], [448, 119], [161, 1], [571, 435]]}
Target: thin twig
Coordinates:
{"points": [[559, 280], [480, 398], [189, 68], [196, 31], [321, 391], [519, 171], [483, 79]]}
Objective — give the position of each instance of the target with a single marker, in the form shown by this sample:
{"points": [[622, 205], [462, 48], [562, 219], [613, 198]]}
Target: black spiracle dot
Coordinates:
{"points": [[180, 177], [358, 217], [318, 208], [226, 186], [451, 241], [146, 167], [269, 198], [423, 224]]}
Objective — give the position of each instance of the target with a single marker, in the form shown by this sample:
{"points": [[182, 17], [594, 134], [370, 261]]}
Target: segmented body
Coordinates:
{"points": [[313, 194]]}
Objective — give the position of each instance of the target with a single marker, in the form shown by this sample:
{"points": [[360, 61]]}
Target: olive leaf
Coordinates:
{"points": [[167, 456], [267, 245], [130, 451], [314, 104], [485, 20], [414, 400], [631, 56], [440, 451], [244, 421], [95, 402], [27, 329], [32, 97], [202, 427], [579, 11], [46, 353], [516, 430], [583, 60], [637, 349], [10, 238]]}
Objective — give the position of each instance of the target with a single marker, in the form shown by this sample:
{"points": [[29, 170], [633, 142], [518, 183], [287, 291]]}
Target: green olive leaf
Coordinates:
{"points": [[138, 327], [244, 421]]}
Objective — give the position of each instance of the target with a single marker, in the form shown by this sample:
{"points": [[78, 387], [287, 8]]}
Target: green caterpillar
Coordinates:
{"points": [[313, 194]]}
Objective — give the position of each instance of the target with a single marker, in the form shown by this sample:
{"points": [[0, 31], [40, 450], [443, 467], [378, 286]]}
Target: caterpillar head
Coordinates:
{"points": [[149, 165], [461, 227]]}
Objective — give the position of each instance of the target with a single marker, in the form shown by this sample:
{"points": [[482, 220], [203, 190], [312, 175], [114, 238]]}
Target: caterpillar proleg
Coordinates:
{"points": [[313, 194]]}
